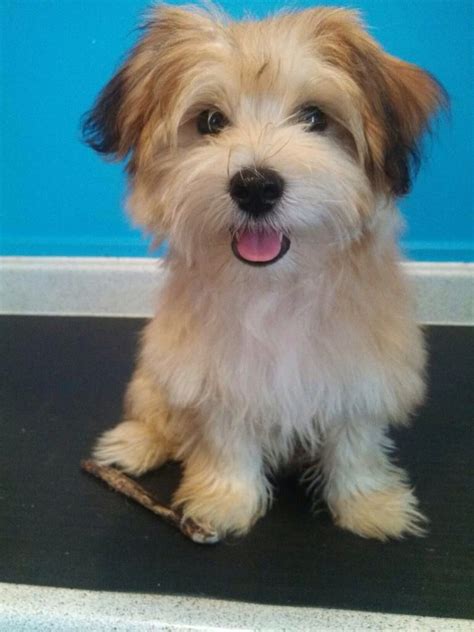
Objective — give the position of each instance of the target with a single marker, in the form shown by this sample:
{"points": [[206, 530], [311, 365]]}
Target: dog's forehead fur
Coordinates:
{"points": [[279, 61]]}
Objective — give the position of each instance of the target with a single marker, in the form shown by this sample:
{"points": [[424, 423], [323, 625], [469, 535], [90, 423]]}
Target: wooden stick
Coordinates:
{"points": [[121, 483]]}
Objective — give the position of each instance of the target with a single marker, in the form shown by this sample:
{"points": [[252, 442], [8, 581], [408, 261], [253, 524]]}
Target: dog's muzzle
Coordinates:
{"points": [[256, 192]]}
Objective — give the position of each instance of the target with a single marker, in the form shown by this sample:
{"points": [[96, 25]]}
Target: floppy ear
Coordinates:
{"points": [[100, 126], [114, 124], [397, 99], [401, 99]]}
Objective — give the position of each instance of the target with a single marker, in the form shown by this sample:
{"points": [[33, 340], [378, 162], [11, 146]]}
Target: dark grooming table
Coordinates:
{"points": [[62, 382]]}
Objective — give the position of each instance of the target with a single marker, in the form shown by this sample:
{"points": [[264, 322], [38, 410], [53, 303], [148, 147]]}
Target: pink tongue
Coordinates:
{"points": [[258, 245]]}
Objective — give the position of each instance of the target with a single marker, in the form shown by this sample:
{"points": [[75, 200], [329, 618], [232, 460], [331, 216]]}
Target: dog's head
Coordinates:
{"points": [[255, 138]]}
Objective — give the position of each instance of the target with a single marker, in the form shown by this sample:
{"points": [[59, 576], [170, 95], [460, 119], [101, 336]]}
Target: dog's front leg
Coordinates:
{"points": [[365, 492], [224, 487]]}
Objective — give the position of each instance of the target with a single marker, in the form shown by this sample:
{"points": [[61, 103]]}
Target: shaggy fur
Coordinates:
{"points": [[244, 368]]}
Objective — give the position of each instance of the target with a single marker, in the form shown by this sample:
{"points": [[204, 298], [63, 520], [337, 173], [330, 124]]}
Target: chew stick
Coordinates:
{"points": [[121, 483]]}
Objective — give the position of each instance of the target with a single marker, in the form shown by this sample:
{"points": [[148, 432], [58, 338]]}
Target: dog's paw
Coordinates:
{"points": [[132, 446], [388, 513], [224, 509]]}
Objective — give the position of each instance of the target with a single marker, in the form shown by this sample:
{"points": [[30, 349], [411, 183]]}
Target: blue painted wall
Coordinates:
{"points": [[58, 198]]}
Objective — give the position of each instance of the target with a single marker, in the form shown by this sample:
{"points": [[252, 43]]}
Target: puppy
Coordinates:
{"points": [[270, 154]]}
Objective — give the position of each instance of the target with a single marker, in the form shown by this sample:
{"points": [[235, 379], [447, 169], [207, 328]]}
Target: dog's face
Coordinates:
{"points": [[249, 140]]}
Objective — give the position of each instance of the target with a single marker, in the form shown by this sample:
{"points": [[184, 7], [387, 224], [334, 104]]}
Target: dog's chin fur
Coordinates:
{"points": [[248, 368]]}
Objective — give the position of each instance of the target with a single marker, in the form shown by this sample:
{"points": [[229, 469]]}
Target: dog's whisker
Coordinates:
{"points": [[228, 162]]}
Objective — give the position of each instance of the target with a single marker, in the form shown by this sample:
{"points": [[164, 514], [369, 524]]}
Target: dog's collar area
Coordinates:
{"points": [[254, 258]]}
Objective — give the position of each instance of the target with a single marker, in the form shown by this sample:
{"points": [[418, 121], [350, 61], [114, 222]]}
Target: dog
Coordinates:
{"points": [[270, 154]]}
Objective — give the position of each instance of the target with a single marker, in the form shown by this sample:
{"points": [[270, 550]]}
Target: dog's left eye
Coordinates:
{"points": [[211, 122], [313, 118]]}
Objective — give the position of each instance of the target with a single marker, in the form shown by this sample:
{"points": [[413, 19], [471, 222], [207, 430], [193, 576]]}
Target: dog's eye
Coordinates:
{"points": [[211, 122], [313, 118]]}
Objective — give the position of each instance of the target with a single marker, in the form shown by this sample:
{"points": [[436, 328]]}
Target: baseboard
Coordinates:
{"points": [[127, 287]]}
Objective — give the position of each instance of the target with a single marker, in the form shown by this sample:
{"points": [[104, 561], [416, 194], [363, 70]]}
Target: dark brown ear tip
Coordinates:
{"points": [[402, 189], [100, 126], [93, 135], [401, 177]]}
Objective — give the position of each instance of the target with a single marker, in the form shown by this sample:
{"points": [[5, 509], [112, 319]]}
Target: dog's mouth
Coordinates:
{"points": [[260, 247]]}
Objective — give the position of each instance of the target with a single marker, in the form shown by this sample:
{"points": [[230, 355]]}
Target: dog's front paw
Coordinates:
{"points": [[388, 513], [224, 509], [133, 446]]}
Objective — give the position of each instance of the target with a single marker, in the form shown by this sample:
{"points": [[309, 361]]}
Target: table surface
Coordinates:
{"points": [[61, 383]]}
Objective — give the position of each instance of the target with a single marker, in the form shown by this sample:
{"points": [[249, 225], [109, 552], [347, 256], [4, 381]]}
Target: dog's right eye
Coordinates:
{"points": [[313, 118], [211, 122]]}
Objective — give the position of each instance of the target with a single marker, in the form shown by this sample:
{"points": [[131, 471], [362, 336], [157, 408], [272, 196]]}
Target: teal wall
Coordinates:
{"points": [[58, 198]]}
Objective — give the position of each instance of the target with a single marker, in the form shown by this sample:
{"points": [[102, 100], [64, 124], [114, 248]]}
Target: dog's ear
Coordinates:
{"points": [[101, 127], [397, 101], [114, 124], [401, 99], [144, 86]]}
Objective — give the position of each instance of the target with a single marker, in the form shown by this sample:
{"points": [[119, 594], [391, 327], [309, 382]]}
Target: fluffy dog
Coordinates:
{"points": [[270, 154]]}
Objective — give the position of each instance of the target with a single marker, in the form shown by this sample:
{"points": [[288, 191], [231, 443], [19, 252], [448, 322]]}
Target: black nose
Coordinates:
{"points": [[256, 191]]}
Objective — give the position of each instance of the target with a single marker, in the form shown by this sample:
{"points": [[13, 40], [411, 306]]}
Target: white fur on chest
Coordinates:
{"points": [[278, 357]]}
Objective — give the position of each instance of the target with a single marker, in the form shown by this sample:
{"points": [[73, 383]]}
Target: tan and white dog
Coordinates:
{"points": [[270, 155]]}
